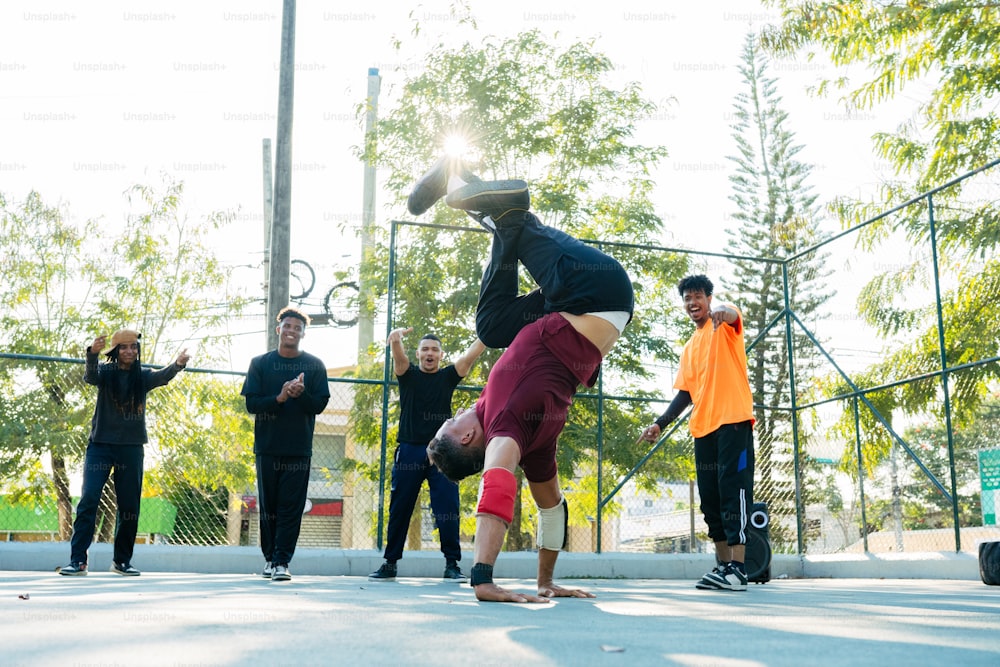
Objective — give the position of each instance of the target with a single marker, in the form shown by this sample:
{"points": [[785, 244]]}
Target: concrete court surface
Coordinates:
{"points": [[176, 618]]}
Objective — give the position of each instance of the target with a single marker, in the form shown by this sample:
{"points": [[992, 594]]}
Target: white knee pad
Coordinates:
{"points": [[552, 523]]}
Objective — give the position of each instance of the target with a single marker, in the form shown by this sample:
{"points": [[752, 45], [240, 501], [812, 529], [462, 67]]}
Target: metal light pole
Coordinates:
{"points": [[366, 316]]}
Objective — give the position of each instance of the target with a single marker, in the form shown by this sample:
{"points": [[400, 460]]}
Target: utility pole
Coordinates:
{"points": [[280, 255], [366, 318], [268, 217]]}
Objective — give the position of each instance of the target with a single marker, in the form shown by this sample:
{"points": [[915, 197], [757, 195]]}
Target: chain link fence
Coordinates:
{"points": [[840, 464], [199, 485]]}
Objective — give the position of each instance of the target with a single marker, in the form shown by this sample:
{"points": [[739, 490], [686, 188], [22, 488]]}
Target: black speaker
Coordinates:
{"points": [[989, 563], [758, 558]]}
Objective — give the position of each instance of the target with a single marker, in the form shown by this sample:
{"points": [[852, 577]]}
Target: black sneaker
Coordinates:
{"points": [[493, 198], [124, 569], [454, 573], [268, 570], [281, 573], [434, 183], [728, 578], [385, 573], [74, 570]]}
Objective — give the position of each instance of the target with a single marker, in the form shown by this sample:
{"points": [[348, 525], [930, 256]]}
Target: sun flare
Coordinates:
{"points": [[456, 145]]}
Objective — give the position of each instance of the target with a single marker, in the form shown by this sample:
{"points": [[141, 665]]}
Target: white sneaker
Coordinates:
{"points": [[281, 573], [124, 569], [709, 582], [728, 578], [268, 570], [74, 570]]}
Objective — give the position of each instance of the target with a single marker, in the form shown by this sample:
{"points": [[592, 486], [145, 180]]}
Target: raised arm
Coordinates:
{"points": [[400, 362], [723, 313], [464, 363], [90, 369], [162, 376]]}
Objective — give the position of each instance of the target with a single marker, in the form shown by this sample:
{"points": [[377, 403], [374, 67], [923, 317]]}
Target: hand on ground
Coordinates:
{"points": [[553, 591], [493, 593]]}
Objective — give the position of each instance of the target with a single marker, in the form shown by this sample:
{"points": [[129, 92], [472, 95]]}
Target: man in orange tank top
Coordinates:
{"points": [[713, 376]]}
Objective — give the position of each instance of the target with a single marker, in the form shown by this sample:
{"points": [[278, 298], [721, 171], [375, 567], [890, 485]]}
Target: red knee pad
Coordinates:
{"points": [[496, 494]]}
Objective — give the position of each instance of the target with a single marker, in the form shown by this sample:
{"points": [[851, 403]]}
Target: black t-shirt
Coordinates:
{"points": [[424, 402]]}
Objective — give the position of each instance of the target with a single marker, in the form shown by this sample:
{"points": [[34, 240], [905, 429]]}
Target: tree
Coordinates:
{"points": [[947, 56], [777, 218], [205, 458], [532, 110], [48, 280], [950, 50], [66, 282]]}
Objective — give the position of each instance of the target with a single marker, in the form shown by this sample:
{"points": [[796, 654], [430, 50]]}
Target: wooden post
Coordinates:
{"points": [[280, 266]]}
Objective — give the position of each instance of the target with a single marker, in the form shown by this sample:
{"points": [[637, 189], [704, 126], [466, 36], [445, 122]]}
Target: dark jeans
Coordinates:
{"points": [[409, 470], [572, 277], [126, 460], [724, 464], [282, 486]]}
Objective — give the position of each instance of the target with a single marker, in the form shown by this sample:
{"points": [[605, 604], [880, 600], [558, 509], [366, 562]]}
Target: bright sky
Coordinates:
{"points": [[95, 97]]}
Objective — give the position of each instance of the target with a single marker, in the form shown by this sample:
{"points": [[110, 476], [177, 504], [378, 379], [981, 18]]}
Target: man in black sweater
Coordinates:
{"points": [[285, 389], [117, 436]]}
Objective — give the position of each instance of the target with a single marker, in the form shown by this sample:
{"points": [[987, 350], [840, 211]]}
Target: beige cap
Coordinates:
{"points": [[124, 336]]}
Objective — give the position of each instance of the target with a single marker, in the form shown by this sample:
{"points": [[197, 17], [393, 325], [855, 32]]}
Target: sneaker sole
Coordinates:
{"points": [[707, 586], [74, 574], [732, 587], [430, 187], [465, 197], [281, 578], [127, 574]]}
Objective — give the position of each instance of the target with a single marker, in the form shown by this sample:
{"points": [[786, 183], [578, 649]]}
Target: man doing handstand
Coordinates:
{"points": [[556, 337]]}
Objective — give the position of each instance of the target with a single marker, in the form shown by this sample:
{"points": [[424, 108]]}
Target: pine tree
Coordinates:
{"points": [[777, 218]]}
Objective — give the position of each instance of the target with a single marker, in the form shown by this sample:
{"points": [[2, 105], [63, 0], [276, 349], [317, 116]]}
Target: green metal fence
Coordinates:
{"points": [[842, 467]]}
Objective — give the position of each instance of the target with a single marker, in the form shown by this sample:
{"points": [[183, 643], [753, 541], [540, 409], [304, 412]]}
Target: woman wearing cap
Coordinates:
{"points": [[117, 436]]}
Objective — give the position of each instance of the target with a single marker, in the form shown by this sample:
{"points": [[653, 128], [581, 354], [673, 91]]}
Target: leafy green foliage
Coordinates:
{"points": [[948, 52], [536, 111], [930, 441], [946, 58], [67, 282]]}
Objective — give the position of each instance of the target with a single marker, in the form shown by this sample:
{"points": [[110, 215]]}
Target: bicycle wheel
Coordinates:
{"points": [[301, 279], [341, 304]]}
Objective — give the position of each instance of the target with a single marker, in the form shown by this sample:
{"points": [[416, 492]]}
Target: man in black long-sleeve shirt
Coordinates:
{"points": [[285, 389], [117, 436]]}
